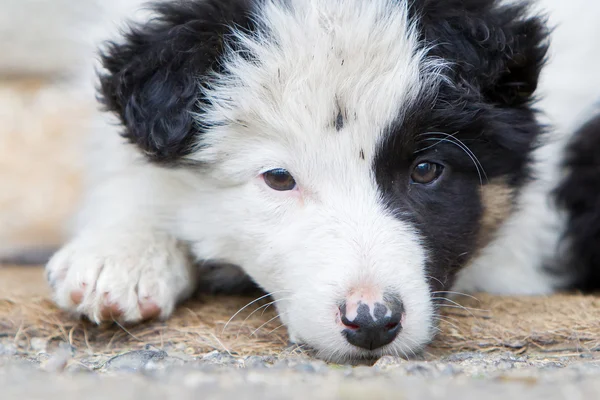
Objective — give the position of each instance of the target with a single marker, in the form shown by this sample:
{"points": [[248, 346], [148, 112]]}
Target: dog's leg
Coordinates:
{"points": [[122, 263]]}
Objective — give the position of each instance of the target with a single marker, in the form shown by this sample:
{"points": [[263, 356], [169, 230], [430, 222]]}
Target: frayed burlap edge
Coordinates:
{"points": [[566, 323]]}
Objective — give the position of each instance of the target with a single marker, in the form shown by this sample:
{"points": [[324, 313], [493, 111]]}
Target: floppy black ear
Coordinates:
{"points": [[500, 48], [151, 79]]}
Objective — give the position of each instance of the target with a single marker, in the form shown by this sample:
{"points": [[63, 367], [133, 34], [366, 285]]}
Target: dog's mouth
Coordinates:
{"points": [[342, 350], [357, 357]]}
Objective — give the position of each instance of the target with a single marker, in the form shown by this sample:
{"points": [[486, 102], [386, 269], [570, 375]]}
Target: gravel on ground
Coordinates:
{"points": [[152, 373]]}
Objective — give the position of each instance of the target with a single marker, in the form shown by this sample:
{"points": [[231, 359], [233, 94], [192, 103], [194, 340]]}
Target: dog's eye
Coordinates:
{"points": [[426, 172], [279, 179]]}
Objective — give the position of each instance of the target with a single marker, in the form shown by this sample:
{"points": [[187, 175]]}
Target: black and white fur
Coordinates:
{"points": [[349, 96]]}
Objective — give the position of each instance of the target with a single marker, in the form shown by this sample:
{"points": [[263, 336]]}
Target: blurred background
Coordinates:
{"points": [[47, 57], [47, 101]]}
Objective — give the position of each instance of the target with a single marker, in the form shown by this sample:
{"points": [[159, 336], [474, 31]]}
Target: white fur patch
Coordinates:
{"points": [[310, 63]]}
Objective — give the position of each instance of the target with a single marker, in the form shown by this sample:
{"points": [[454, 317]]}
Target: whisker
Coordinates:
{"points": [[448, 317], [398, 351], [300, 346], [467, 149], [475, 161], [413, 341], [430, 146], [458, 307], [265, 306], [434, 278], [468, 309], [457, 293], [280, 326], [451, 138], [409, 349], [248, 305], [437, 329], [272, 319], [449, 323], [273, 302]]}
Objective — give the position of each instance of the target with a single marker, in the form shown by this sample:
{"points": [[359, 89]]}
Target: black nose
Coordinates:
{"points": [[373, 325]]}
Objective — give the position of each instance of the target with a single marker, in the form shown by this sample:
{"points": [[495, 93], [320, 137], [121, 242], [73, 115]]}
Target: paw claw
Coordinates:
{"points": [[111, 311], [149, 310], [77, 297]]}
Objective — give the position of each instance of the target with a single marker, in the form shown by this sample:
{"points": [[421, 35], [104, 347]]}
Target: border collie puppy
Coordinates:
{"points": [[358, 159]]}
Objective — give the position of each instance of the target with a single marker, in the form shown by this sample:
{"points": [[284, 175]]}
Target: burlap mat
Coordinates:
{"points": [[561, 323]]}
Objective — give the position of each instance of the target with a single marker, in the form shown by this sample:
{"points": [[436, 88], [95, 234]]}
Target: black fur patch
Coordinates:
{"points": [[339, 122], [579, 194], [152, 79], [485, 106]]}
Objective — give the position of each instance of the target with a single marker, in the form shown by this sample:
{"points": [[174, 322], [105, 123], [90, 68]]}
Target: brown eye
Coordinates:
{"points": [[279, 179], [426, 172]]}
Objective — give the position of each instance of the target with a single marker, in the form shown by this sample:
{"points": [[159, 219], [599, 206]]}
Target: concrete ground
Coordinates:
{"points": [[154, 374]]}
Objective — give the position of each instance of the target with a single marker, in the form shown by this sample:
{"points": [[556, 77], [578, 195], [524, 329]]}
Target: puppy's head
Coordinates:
{"points": [[350, 155]]}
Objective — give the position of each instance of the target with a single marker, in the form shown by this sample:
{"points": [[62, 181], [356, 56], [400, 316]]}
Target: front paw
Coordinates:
{"points": [[129, 278]]}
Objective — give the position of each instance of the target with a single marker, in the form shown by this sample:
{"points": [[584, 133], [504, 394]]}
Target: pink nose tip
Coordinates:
{"points": [[371, 325]]}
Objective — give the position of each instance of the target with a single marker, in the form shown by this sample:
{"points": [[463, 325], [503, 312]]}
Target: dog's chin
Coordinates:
{"points": [[355, 356], [337, 350]]}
